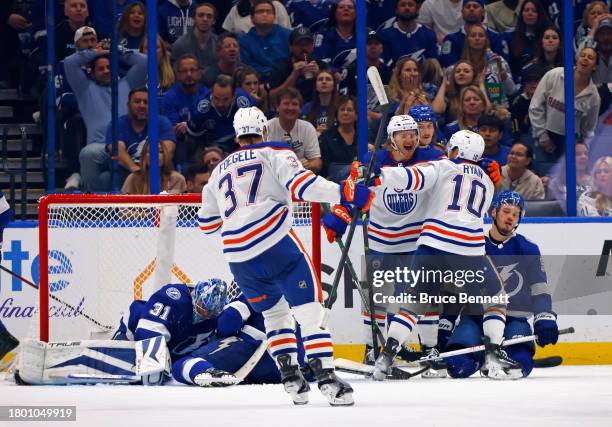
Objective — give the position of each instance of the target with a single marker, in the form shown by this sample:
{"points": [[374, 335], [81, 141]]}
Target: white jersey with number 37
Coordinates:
{"points": [[458, 197], [249, 196]]}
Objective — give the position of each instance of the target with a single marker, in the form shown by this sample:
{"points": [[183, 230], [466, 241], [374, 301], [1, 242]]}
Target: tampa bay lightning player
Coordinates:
{"points": [[518, 261], [207, 339]]}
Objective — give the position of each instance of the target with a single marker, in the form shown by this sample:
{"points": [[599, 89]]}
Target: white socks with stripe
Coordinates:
{"points": [[494, 323], [401, 326]]}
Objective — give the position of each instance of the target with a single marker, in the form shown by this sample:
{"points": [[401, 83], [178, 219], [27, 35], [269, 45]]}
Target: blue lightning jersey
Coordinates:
{"points": [[452, 46], [519, 264], [419, 44], [215, 125], [304, 12], [334, 50], [169, 312]]}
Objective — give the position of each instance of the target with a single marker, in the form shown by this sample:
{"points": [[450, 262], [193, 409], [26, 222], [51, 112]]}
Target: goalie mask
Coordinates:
{"points": [[250, 121], [470, 145], [209, 298], [398, 124]]}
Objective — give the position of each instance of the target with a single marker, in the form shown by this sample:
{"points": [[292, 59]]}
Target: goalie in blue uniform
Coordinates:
{"points": [[519, 263], [209, 343]]}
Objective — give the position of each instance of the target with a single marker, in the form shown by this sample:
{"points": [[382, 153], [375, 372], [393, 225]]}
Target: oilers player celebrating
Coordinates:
{"points": [[451, 240], [248, 197], [518, 262], [394, 222]]}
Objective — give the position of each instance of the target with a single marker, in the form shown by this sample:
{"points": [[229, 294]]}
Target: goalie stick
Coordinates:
{"points": [[360, 368], [379, 89], [58, 300]]}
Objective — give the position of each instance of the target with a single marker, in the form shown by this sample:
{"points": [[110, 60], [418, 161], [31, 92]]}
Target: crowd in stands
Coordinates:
{"points": [[494, 67]]}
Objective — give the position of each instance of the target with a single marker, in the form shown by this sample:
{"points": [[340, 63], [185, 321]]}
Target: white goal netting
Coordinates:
{"points": [[104, 254]]}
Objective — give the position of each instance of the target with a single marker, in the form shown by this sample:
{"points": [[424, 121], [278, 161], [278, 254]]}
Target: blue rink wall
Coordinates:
{"points": [[559, 237]]}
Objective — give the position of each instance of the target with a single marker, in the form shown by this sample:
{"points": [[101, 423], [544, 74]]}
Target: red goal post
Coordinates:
{"points": [[100, 252]]}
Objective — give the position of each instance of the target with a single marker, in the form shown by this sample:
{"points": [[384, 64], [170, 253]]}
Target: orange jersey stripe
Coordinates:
{"points": [[318, 345], [301, 179], [409, 318], [453, 234], [403, 233], [416, 177], [256, 231], [496, 309], [283, 341], [258, 299], [210, 227]]}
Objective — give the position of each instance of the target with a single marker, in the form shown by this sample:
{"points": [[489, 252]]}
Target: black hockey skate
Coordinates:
{"points": [[436, 368], [337, 391], [497, 364], [293, 380], [385, 360], [213, 377]]}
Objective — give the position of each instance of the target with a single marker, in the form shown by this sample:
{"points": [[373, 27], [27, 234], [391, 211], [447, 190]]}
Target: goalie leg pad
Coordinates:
{"points": [[77, 362], [93, 361]]}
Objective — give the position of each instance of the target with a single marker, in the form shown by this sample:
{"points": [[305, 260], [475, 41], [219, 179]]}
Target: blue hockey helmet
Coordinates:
{"points": [[209, 298], [509, 197], [422, 113]]}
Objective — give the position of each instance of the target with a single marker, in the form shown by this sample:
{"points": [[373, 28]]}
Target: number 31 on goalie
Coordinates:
{"points": [[227, 181]]}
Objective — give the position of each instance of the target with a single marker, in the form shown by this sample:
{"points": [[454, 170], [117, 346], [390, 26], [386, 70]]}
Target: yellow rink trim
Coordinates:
{"points": [[573, 353]]}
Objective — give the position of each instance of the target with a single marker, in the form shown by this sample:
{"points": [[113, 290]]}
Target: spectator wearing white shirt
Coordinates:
{"points": [[299, 134], [442, 16]]}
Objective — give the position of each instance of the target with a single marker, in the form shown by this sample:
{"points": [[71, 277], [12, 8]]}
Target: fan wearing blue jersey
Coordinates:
{"points": [[406, 37], [249, 197], [451, 242], [7, 341], [519, 263]]}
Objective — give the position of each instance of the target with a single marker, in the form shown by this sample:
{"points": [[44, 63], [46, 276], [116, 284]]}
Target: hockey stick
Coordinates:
{"points": [[363, 369], [366, 303], [56, 299], [379, 89], [481, 347], [548, 362]]}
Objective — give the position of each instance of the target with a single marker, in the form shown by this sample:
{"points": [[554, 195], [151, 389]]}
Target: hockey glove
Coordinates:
{"points": [[545, 327], [358, 172], [491, 167], [356, 194], [335, 222]]}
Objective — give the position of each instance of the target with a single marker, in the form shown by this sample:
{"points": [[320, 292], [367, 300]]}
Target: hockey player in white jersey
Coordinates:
{"points": [[458, 194], [394, 221], [249, 198]]}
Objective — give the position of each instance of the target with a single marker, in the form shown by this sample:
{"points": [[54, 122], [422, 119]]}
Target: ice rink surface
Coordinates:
{"points": [[562, 396]]}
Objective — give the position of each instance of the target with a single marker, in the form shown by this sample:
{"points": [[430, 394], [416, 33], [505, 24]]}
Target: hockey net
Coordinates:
{"points": [[101, 252]]}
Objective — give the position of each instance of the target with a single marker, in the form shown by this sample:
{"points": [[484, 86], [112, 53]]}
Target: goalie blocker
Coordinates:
{"points": [[93, 361]]}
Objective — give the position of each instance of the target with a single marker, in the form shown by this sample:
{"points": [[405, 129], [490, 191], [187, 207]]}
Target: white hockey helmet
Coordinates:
{"points": [[399, 123], [250, 121], [470, 145]]}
